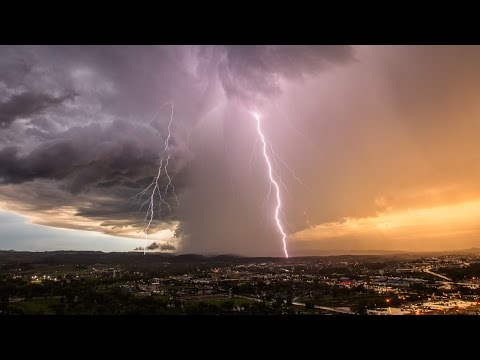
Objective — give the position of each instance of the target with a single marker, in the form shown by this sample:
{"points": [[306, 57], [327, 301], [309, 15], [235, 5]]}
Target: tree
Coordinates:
{"points": [[361, 308], [59, 308], [228, 305]]}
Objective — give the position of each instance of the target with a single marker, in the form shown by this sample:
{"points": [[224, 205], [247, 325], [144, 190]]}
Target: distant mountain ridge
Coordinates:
{"points": [[98, 257]]}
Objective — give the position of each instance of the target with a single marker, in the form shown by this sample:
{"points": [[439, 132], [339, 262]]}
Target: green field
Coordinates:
{"points": [[36, 306]]}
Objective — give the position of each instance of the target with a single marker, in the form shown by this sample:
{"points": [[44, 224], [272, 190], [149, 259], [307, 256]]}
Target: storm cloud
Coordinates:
{"points": [[26, 105], [77, 140], [366, 131], [254, 72]]}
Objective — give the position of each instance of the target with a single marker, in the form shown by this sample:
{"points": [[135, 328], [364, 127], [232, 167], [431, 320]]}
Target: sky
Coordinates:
{"points": [[373, 147]]}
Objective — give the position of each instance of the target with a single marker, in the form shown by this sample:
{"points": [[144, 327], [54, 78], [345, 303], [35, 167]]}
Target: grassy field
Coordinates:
{"points": [[53, 270], [36, 306]]}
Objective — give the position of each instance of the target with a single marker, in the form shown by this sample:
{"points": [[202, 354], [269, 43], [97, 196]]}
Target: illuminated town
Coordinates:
{"points": [[129, 283]]}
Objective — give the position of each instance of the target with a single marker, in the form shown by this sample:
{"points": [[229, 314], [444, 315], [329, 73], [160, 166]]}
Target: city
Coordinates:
{"points": [[91, 283]]}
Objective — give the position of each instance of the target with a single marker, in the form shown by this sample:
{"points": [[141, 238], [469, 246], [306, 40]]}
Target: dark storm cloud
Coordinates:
{"points": [[95, 169], [85, 147], [15, 64], [250, 72], [28, 104], [90, 154]]}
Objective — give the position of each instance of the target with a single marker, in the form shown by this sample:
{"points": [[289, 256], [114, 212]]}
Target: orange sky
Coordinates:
{"points": [[443, 227], [401, 164]]}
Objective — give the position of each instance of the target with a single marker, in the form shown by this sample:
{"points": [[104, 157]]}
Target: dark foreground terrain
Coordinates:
{"points": [[95, 283]]}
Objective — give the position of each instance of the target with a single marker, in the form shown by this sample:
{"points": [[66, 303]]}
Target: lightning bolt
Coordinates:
{"points": [[154, 188], [272, 182]]}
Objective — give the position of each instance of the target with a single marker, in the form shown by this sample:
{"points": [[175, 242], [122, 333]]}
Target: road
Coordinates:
{"points": [[249, 298], [435, 274], [332, 309], [15, 299]]}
